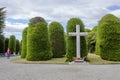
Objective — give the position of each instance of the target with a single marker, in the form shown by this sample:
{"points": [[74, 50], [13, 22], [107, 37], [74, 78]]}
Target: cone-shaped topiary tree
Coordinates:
{"points": [[6, 43], [24, 42], [17, 46], [109, 37], [38, 43], [56, 32], [12, 43], [71, 41]]}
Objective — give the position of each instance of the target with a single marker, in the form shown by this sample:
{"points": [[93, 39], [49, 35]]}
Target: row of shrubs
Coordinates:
{"points": [[12, 43], [40, 42]]}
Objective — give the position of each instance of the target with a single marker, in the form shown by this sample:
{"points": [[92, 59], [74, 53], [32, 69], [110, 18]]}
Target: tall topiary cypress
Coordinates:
{"points": [[56, 32], [20, 47], [109, 37], [6, 43], [71, 41], [17, 46], [24, 42], [12, 42], [38, 43]]}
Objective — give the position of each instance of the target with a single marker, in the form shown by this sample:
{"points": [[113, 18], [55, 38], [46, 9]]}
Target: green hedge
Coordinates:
{"points": [[71, 41], [38, 43], [17, 46], [56, 32], [6, 43], [24, 42], [109, 37], [12, 43]]}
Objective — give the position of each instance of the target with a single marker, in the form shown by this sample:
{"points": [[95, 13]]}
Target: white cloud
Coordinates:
{"points": [[14, 29], [90, 11], [19, 26]]}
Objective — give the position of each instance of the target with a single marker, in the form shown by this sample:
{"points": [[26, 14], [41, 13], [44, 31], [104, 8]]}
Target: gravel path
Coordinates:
{"points": [[15, 71]]}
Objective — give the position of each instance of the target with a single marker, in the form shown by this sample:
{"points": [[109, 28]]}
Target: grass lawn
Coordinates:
{"points": [[96, 59], [92, 58], [52, 61]]}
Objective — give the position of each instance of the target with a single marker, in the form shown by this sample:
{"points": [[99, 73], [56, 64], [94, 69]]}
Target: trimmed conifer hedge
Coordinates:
{"points": [[6, 43], [12, 43], [71, 41], [38, 43], [57, 40], [109, 37], [24, 42], [17, 46]]}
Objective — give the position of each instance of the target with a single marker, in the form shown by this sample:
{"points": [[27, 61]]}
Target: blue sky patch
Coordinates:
{"points": [[24, 21], [113, 7]]}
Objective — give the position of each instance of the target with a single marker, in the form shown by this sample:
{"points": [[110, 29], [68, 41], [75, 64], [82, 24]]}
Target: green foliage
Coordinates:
{"points": [[87, 30], [12, 44], [20, 47], [17, 46], [36, 20], [24, 42], [38, 43], [6, 43], [91, 40], [2, 44], [71, 41], [56, 32], [109, 37], [2, 19]]}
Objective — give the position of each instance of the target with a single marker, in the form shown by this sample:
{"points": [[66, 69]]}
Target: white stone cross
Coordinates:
{"points": [[78, 34]]}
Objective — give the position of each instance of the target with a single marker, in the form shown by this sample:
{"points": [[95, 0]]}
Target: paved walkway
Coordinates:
{"points": [[15, 71]]}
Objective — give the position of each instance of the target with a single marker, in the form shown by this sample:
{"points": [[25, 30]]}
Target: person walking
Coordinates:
{"points": [[8, 53]]}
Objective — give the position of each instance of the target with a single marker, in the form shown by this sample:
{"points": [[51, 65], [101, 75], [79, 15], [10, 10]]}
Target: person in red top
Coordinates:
{"points": [[8, 53]]}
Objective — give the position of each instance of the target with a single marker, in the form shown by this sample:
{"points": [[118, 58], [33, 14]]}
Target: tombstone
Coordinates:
{"points": [[78, 34]]}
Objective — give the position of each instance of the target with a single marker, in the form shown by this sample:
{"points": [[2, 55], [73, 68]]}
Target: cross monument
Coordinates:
{"points": [[78, 34]]}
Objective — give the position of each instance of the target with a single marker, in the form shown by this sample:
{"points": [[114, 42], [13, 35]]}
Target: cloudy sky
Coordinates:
{"points": [[89, 11]]}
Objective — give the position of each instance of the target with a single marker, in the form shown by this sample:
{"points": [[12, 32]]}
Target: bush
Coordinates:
{"points": [[109, 37], [56, 32], [24, 41], [2, 44], [38, 44], [12, 43], [71, 41], [17, 46], [6, 44]]}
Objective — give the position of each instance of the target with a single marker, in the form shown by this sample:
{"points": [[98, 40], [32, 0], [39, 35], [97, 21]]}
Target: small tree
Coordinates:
{"points": [[12, 44], [56, 32], [71, 41], [24, 41]]}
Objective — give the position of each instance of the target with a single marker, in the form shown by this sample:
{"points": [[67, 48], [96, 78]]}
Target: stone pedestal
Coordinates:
{"points": [[78, 59]]}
